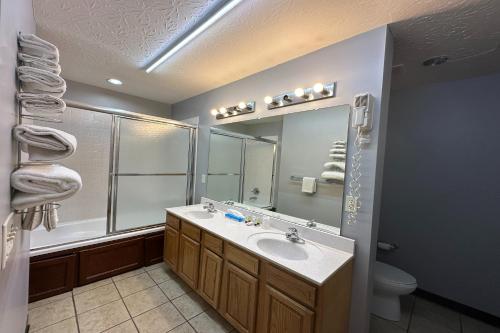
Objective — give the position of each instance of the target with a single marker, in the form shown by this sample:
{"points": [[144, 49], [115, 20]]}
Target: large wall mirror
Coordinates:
{"points": [[260, 164]]}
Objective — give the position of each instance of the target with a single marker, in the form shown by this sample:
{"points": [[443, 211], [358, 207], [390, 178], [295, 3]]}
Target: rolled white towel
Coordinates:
{"points": [[338, 151], [34, 80], [335, 165], [333, 175], [40, 63], [339, 157], [339, 142], [42, 104], [41, 184], [38, 47], [45, 143]]}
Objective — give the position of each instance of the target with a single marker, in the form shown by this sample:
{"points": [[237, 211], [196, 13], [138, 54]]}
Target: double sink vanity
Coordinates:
{"points": [[258, 279]]}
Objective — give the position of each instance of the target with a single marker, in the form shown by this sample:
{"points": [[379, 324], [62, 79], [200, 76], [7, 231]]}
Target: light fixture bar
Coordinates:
{"points": [[184, 40], [236, 110], [301, 95]]}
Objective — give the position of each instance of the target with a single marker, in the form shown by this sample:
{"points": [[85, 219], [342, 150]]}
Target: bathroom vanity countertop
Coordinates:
{"points": [[315, 269]]}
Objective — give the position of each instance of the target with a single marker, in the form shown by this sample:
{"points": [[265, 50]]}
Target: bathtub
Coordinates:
{"points": [[75, 234]]}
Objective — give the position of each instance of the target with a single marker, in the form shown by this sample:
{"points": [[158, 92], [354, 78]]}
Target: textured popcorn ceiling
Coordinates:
{"points": [[99, 39]]}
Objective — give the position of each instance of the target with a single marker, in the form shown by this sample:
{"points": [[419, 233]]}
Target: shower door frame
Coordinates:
{"points": [[244, 138], [113, 159]]}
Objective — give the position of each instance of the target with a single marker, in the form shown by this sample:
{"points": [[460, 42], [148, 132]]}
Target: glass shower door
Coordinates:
{"points": [[152, 171]]}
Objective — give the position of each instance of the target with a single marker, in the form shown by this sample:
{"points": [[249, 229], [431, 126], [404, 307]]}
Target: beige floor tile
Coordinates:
{"points": [[95, 298], [210, 322], [145, 300], [49, 300], [103, 318], [128, 274], [159, 320], [155, 266], [91, 286], [184, 328], [190, 305], [432, 317], [51, 313], [174, 288], [379, 325], [65, 326], [134, 284], [161, 274], [471, 325], [126, 327]]}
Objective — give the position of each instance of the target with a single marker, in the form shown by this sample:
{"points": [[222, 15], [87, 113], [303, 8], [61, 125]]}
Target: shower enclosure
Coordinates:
{"points": [[132, 166], [241, 168]]}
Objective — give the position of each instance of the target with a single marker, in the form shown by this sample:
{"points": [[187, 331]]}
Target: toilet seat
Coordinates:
{"points": [[390, 275]]}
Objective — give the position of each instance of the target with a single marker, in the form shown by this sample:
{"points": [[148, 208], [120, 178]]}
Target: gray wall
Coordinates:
{"points": [[441, 189], [360, 64], [14, 16], [96, 96]]}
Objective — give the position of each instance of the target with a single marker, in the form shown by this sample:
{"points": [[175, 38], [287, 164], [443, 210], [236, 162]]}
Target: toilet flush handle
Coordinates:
{"points": [[387, 246]]}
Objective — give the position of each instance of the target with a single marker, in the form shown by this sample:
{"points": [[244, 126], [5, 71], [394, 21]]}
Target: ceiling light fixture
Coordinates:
{"points": [[235, 110], [116, 82], [304, 95], [192, 34]]}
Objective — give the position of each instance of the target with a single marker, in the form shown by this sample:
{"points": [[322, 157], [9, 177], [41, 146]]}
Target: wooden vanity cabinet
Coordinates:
{"points": [[252, 294]]}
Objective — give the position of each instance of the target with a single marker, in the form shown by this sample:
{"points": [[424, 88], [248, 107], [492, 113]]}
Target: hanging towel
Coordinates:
{"points": [[45, 143], [50, 217], [309, 185], [333, 175], [40, 63], [335, 165], [39, 81], [41, 184], [41, 104], [33, 218], [37, 47], [338, 157], [338, 151]]}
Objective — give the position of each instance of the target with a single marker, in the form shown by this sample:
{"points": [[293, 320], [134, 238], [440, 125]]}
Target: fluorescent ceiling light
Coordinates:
{"points": [[193, 34], [116, 82]]}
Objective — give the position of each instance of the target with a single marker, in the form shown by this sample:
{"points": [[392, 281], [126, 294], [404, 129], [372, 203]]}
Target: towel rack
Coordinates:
{"points": [[318, 180], [45, 208]]}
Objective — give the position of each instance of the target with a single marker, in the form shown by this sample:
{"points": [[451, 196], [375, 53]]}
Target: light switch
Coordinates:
{"points": [[203, 179]]}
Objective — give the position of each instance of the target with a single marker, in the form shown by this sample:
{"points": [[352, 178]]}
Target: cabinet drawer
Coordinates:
{"points": [[213, 243], [191, 231], [173, 221], [242, 259], [291, 285]]}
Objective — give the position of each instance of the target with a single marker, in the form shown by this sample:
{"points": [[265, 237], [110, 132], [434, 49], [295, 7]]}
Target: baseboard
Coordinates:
{"points": [[464, 309]]}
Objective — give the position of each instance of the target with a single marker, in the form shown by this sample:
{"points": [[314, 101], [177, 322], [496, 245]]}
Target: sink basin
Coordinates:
{"points": [[276, 245], [200, 214]]}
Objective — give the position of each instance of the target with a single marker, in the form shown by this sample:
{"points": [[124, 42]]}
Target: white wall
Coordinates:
{"points": [[441, 189], [360, 64], [14, 16], [97, 96]]}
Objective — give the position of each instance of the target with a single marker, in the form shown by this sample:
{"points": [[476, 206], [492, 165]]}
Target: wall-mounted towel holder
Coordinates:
{"points": [[318, 180], [46, 208]]}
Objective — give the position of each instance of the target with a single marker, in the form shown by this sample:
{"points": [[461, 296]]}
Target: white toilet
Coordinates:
{"points": [[389, 283]]}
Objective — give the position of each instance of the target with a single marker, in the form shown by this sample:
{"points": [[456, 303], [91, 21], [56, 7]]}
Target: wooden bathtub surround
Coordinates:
{"points": [[251, 293]]}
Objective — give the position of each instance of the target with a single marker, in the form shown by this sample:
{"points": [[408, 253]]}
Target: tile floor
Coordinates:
{"points": [[147, 300], [421, 316]]}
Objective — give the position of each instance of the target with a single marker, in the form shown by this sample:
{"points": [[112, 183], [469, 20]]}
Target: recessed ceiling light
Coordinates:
{"points": [[116, 82], [205, 24]]}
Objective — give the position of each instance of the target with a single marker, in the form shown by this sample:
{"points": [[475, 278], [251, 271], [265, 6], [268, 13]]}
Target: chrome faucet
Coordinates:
{"points": [[229, 202], [293, 236], [311, 223], [210, 208]]}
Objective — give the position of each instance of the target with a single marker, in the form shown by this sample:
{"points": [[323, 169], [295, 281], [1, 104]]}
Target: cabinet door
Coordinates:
{"points": [[279, 313], [171, 247], [189, 260], [239, 298], [210, 276]]}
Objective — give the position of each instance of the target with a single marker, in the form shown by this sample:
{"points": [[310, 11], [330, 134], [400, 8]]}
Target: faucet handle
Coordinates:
{"points": [[292, 229]]}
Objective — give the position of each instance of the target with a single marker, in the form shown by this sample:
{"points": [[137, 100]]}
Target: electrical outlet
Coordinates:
{"points": [[351, 204]]}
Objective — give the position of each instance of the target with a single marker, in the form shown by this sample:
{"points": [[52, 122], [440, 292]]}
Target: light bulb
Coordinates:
{"points": [[299, 92], [116, 82], [214, 112], [223, 110], [268, 100], [242, 105], [318, 88]]}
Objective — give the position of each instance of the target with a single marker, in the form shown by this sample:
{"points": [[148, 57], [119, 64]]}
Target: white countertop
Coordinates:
{"points": [[315, 269]]}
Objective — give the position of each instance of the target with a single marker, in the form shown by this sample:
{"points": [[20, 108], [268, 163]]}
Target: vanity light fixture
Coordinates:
{"points": [[210, 19], [115, 82], [302, 95], [241, 108]]}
